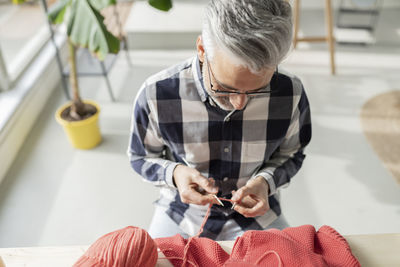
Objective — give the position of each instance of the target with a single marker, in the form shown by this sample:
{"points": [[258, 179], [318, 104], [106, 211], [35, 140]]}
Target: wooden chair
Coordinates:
{"points": [[329, 38]]}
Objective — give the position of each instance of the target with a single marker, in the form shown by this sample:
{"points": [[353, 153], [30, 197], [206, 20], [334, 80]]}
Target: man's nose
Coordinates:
{"points": [[238, 101]]}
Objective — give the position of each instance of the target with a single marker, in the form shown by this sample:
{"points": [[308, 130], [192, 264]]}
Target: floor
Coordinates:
{"points": [[55, 195]]}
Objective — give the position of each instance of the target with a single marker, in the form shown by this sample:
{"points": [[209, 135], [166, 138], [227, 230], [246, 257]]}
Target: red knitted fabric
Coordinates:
{"points": [[202, 251], [295, 246]]}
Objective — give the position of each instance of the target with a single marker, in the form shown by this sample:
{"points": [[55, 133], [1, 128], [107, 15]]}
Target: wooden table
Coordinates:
{"points": [[370, 250]]}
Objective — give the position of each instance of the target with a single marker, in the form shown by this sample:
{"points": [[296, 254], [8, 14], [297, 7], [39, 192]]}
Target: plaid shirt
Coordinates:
{"points": [[174, 118]]}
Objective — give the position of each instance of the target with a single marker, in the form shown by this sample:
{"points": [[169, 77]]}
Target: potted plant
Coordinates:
{"points": [[85, 28]]}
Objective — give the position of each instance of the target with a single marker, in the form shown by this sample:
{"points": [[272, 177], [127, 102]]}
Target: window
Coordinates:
{"points": [[23, 32]]}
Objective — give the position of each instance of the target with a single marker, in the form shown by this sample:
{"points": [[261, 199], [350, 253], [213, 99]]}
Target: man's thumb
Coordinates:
{"points": [[241, 193], [206, 184]]}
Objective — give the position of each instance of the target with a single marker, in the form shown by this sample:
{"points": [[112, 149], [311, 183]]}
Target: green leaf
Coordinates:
{"points": [[86, 28], [163, 5], [100, 4], [57, 11]]}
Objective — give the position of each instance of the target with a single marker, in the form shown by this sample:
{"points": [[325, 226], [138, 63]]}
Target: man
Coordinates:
{"points": [[223, 123]]}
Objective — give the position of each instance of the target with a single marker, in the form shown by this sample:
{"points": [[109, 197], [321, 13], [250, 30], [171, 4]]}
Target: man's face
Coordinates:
{"points": [[221, 74]]}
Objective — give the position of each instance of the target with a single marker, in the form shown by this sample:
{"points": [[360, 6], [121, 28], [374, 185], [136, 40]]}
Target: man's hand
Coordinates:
{"points": [[193, 187], [252, 199]]}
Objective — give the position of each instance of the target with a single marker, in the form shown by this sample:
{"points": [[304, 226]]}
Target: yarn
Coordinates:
{"points": [[228, 263], [293, 246], [186, 249], [197, 235], [127, 247], [130, 246]]}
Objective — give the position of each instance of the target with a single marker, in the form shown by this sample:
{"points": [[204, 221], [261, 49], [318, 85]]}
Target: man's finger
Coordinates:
{"points": [[241, 193], [257, 210], [191, 196], [212, 181], [205, 184], [248, 202]]}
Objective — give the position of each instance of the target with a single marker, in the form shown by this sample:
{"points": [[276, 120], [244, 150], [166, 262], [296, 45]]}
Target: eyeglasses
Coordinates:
{"points": [[226, 91]]}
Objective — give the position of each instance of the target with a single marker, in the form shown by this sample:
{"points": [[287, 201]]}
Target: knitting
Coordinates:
{"points": [[130, 246], [294, 246]]}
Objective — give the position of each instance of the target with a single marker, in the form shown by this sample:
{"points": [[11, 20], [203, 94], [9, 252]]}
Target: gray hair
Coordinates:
{"points": [[257, 33]]}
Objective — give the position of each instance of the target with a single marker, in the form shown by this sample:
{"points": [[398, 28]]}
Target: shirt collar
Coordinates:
{"points": [[198, 79]]}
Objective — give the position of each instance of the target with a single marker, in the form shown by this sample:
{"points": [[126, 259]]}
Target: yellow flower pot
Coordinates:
{"points": [[17, 2], [84, 134]]}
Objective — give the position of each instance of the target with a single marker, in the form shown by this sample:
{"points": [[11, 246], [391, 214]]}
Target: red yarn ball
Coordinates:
{"points": [[130, 246]]}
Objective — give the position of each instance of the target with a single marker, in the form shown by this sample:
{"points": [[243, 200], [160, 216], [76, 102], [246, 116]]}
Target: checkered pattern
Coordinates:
{"points": [[174, 118]]}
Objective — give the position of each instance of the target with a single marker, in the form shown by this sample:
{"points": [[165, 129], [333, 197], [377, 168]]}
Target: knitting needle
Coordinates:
{"points": [[214, 195], [219, 201], [230, 200], [225, 199]]}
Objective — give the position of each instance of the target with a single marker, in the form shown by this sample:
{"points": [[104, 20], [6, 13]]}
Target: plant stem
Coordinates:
{"points": [[73, 79], [77, 108]]}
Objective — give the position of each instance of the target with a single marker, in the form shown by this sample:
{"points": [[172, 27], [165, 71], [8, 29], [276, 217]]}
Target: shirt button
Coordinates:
{"points": [[226, 149], [226, 179]]}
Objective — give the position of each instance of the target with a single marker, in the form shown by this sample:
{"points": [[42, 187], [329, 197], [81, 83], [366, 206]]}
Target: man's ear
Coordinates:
{"points": [[200, 48]]}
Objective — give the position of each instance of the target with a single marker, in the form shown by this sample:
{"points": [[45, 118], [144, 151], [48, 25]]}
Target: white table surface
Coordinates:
{"points": [[370, 250]]}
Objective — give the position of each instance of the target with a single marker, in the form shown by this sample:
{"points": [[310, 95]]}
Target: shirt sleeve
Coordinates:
{"points": [[286, 161], [147, 149]]}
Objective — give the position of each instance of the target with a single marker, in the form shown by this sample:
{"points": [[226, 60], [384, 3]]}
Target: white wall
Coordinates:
{"points": [[335, 3]]}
